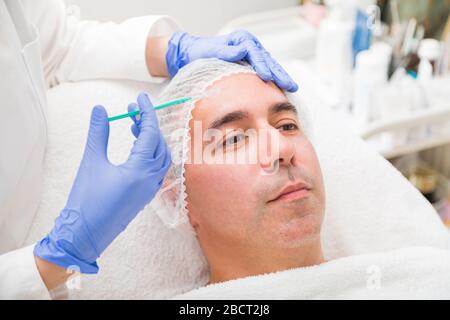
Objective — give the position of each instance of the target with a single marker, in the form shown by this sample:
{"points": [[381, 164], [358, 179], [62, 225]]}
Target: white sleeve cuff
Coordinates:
{"points": [[19, 276]]}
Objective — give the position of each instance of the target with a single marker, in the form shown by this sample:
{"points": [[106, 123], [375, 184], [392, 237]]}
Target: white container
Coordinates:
{"points": [[334, 49], [370, 76], [429, 53]]}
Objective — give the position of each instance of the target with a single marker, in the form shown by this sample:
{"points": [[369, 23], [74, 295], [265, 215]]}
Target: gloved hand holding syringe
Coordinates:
{"points": [[105, 197]]}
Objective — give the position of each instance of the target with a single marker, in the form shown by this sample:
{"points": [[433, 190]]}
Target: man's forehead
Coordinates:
{"points": [[240, 92]]}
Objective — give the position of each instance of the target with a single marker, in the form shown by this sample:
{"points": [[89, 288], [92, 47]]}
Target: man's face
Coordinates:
{"points": [[238, 204]]}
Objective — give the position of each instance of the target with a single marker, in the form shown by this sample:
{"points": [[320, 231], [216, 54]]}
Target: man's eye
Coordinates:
{"points": [[233, 140], [289, 127]]}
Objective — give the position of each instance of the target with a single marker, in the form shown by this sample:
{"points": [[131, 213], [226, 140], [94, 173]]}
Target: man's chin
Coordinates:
{"points": [[293, 228]]}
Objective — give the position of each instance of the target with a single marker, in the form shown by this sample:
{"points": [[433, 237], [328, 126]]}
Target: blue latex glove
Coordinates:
{"points": [[105, 197], [240, 45]]}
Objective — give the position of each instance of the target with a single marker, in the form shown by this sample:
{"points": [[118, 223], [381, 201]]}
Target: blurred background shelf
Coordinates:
{"points": [[428, 121]]}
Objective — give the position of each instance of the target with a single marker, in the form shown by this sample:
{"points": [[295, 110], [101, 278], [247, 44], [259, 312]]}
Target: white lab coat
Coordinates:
{"points": [[40, 46]]}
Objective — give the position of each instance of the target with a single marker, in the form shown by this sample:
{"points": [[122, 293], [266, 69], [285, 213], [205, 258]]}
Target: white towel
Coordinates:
{"points": [[408, 273]]}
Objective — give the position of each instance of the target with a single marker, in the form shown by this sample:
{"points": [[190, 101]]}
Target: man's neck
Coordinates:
{"points": [[234, 263]]}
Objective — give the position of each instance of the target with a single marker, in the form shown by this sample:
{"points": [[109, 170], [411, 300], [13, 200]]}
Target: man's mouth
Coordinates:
{"points": [[293, 191]]}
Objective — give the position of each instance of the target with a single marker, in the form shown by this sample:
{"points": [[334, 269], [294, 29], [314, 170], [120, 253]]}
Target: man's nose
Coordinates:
{"points": [[275, 150]]}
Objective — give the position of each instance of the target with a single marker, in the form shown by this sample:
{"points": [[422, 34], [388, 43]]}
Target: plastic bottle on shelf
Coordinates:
{"points": [[334, 48], [429, 53], [370, 76]]}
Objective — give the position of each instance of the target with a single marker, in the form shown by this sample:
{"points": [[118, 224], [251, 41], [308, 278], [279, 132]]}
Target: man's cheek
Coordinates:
{"points": [[307, 157]]}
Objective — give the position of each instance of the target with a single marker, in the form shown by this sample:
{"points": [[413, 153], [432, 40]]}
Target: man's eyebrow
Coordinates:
{"points": [[240, 115], [229, 117], [283, 106]]}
